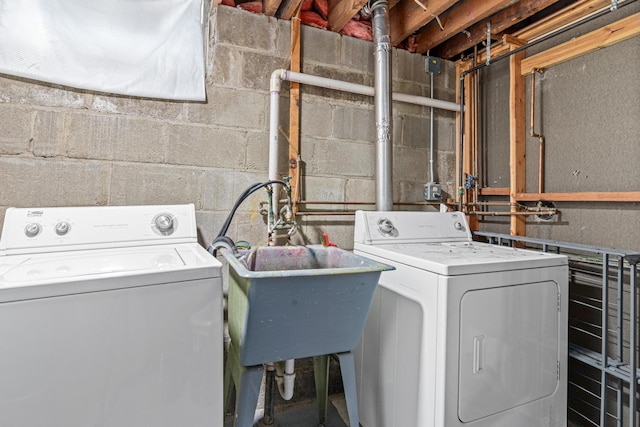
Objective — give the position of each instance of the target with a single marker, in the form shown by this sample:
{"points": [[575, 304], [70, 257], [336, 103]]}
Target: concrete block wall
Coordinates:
{"points": [[65, 147]]}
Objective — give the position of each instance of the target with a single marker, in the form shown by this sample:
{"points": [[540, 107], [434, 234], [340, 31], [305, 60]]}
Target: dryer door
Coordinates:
{"points": [[508, 348]]}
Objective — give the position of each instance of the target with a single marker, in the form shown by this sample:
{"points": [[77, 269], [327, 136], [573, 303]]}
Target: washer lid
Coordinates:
{"points": [[459, 258], [64, 273]]}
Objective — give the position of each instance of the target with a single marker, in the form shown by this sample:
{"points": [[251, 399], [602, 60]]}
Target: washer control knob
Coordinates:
{"points": [[458, 225], [62, 228], [32, 230], [385, 226], [164, 222]]}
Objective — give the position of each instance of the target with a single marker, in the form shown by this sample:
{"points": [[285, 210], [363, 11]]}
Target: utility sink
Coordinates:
{"points": [[290, 302]]}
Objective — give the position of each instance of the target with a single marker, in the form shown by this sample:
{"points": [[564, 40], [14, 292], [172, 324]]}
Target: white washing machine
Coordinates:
{"points": [[110, 317], [461, 333]]}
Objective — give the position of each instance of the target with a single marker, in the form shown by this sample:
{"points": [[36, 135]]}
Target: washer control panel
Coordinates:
{"points": [[102, 226], [400, 227]]}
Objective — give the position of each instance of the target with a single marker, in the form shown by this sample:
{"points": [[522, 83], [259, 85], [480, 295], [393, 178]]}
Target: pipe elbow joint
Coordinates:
{"points": [[286, 385], [276, 79]]}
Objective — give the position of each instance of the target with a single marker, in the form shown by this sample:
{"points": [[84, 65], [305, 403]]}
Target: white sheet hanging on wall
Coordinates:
{"points": [[148, 48]]}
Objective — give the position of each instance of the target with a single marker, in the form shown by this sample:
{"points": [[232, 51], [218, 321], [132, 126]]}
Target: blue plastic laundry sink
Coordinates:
{"points": [[290, 302]]}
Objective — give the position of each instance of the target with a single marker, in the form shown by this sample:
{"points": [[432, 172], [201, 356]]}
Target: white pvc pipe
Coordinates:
{"points": [[359, 89], [286, 379], [274, 117], [307, 79]]}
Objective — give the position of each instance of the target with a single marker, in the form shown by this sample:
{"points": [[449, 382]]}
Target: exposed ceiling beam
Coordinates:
{"points": [[341, 12], [270, 7], [288, 8], [408, 16], [457, 19], [615, 32], [500, 21], [569, 14], [572, 13]]}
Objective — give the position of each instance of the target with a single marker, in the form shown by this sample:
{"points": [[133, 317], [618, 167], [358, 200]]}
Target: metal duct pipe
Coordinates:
{"points": [[384, 123]]}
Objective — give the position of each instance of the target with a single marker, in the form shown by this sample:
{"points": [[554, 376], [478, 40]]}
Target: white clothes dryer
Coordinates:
{"points": [[109, 316], [461, 333]]}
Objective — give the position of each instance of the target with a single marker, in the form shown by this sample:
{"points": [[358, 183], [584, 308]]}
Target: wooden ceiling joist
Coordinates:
{"points": [[606, 36], [563, 17], [288, 8], [341, 11], [270, 7], [574, 12], [500, 21], [408, 16], [457, 20]]}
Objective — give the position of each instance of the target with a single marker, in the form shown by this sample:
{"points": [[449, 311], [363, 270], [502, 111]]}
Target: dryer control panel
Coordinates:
{"points": [[379, 227], [32, 230]]}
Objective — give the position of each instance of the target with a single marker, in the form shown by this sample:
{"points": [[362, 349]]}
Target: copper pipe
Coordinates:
{"points": [[321, 202], [546, 212], [533, 133], [320, 213]]}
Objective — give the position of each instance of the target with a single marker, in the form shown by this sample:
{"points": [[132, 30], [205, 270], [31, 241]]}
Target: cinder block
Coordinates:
{"points": [[114, 138], [228, 107], [446, 168], [320, 45], [257, 157], [124, 105], [357, 54], [397, 130], [231, 26], [409, 66], [20, 91], [15, 129], [445, 133], [324, 189], [224, 65], [219, 190], [283, 38], [415, 131], [192, 145], [89, 136], [257, 69], [142, 184], [48, 133], [354, 123], [315, 117], [29, 182], [340, 157], [361, 190], [410, 164]]}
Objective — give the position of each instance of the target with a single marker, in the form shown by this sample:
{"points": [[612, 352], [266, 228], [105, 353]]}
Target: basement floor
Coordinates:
{"points": [[305, 414]]}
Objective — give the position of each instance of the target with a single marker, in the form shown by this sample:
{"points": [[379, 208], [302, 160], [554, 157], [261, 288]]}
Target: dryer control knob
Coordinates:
{"points": [[385, 226], [164, 223], [62, 228], [32, 230], [458, 225]]}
